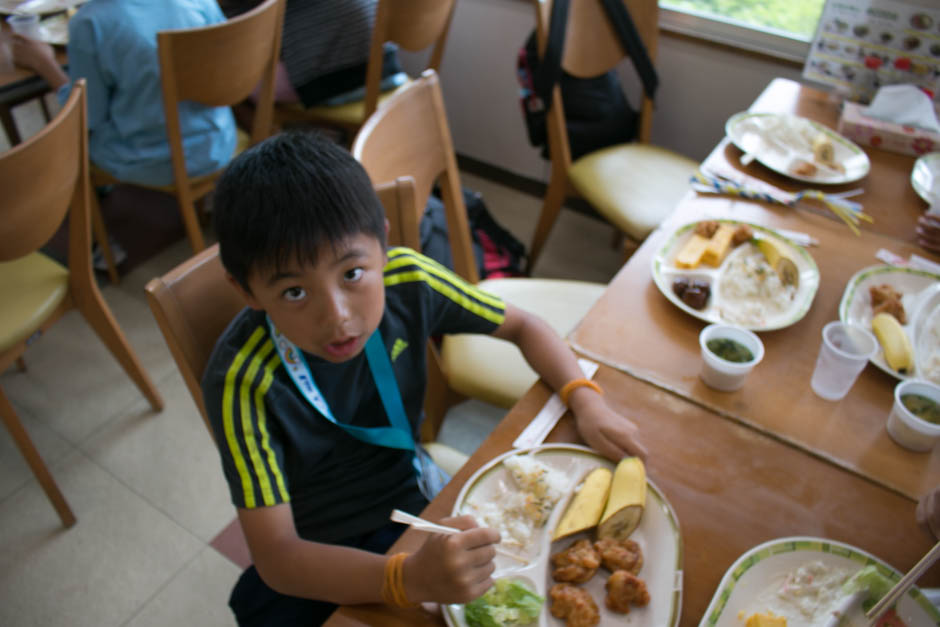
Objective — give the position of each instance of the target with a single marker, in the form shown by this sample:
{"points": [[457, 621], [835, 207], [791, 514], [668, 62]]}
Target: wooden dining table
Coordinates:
{"points": [[770, 460]]}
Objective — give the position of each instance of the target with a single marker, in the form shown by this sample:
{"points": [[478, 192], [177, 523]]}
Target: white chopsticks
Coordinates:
{"points": [[905, 582], [426, 525]]}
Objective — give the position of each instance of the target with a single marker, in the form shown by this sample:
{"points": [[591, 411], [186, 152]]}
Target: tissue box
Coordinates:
{"points": [[867, 131]]}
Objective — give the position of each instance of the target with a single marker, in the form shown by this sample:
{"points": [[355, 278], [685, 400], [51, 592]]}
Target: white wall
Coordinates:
{"points": [[700, 87]]}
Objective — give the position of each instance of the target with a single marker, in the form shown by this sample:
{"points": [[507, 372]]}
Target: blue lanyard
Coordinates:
{"points": [[398, 435]]}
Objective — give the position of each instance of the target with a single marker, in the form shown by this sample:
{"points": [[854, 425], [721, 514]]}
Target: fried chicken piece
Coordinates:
{"points": [[620, 554], [802, 167], [706, 228], [577, 563], [893, 307], [886, 298], [575, 605], [625, 589], [742, 234]]}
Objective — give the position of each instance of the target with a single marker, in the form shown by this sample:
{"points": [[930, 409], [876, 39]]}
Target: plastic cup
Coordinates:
{"points": [[843, 354], [907, 429], [25, 24], [722, 374]]}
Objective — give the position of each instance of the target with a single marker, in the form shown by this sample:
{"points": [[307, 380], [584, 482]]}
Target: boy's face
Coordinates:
{"points": [[328, 309]]}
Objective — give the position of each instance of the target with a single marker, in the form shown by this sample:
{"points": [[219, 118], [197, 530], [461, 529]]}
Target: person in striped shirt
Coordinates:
{"points": [[316, 450]]}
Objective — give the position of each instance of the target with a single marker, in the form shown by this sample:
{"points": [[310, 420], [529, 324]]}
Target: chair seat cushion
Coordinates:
{"points": [[31, 288], [493, 370], [447, 458], [349, 114], [634, 186]]}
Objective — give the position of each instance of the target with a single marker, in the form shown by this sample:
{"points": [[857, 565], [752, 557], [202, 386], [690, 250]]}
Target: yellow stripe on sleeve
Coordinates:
{"points": [[442, 280], [260, 391], [448, 290], [228, 418], [248, 430]]}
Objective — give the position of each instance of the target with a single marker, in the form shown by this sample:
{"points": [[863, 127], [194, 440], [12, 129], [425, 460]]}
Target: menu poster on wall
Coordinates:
{"points": [[861, 45]]}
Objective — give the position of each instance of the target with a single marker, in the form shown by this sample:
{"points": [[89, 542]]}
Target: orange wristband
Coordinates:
{"points": [[571, 386], [393, 586]]}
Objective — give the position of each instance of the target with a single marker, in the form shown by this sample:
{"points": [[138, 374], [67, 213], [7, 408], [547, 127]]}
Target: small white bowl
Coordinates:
{"points": [[907, 429], [722, 374]]}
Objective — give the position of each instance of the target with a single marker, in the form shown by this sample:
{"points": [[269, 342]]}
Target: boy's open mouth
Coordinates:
{"points": [[343, 348]]}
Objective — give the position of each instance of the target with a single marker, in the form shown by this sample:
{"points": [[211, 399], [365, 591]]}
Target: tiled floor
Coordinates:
{"points": [[147, 487]]}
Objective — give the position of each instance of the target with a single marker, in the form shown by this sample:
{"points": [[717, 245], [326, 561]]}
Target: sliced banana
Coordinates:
{"points": [[899, 354], [782, 264]]}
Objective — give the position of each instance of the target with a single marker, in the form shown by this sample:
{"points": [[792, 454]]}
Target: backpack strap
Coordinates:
{"points": [[548, 73], [622, 22], [549, 69]]}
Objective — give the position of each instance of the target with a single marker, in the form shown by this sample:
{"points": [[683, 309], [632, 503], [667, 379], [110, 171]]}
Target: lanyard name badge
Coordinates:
{"points": [[431, 479]]}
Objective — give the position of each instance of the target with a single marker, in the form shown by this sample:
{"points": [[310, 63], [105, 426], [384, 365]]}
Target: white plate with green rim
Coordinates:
{"points": [[781, 141], [725, 304], [765, 567], [920, 298], [925, 177], [657, 534]]}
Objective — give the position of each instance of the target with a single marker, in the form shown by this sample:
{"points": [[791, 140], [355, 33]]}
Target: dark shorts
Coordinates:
{"points": [[257, 605]]}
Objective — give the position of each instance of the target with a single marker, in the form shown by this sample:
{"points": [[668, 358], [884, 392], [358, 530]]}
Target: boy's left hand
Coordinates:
{"points": [[607, 432]]}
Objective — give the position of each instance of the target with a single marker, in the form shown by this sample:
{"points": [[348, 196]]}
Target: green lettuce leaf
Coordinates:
{"points": [[872, 582], [506, 604]]}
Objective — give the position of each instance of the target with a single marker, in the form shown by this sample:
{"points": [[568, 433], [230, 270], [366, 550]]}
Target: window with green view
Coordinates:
{"points": [[792, 18]]}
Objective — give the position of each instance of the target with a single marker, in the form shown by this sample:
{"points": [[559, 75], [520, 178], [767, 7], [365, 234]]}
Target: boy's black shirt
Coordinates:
{"points": [[277, 448]]}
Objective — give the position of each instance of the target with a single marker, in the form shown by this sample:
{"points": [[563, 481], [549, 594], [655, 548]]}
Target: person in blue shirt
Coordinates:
{"points": [[113, 45]]}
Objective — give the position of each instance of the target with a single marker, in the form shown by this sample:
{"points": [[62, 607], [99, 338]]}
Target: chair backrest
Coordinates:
{"points": [[220, 65], [42, 178], [193, 303], [409, 136], [412, 24], [592, 47], [402, 212]]}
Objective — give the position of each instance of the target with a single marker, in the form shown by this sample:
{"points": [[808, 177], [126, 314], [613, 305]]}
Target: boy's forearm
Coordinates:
{"points": [[327, 572], [547, 353]]}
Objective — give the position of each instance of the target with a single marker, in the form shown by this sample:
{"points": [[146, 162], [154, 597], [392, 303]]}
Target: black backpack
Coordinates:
{"points": [[497, 251], [597, 114]]}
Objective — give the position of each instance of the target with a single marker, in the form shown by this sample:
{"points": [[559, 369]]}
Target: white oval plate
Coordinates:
{"points": [[921, 298], [665, 272], [767, 564], [658, 535], [925, 177], [775, 141]]}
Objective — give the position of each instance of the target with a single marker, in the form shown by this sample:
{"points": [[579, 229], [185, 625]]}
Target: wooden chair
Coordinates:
{"points": [[44, 179], [409, 137], [218, 65], [414, 25], [633, 186]]}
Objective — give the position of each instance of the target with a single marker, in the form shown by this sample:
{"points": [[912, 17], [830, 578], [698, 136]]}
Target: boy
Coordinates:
{"points": [[302, 237]]}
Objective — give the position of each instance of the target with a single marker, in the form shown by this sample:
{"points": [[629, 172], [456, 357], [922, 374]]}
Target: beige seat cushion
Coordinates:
{"points": [[634, 186], [349, 114], [448, 459], [31, 288], [494, 371]]}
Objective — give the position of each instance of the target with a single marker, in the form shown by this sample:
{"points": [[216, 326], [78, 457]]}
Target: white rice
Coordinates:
{"points": [[517, 507], [751, 292], [928, 349]]}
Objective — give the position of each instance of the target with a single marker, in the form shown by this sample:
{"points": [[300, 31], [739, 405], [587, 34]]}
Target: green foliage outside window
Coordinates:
{"points": [[795, 17]]}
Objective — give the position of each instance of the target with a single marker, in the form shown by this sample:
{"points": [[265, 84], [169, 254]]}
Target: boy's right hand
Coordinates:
{"points": [[454, 568]]}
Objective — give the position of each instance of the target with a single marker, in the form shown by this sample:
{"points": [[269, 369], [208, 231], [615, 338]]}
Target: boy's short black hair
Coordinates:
{"points": [[286, 198]]}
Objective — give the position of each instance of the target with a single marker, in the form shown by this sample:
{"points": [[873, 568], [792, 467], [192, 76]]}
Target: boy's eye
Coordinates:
{"points": [[353, 275], [294, 293]]}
